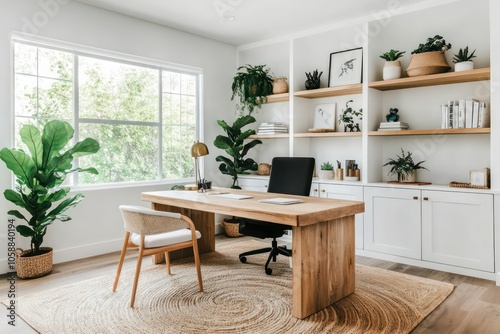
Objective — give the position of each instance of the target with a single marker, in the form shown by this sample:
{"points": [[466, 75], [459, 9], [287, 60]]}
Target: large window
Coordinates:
{"points": [[144, 116]]}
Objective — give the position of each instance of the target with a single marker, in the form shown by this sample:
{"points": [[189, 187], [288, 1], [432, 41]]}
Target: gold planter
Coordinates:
{"points": [[33, 266], [427, 63]]}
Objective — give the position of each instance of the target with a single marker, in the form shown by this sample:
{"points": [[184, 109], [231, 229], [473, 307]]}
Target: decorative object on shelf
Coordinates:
{"points": [[463, 61], [232, 227], [252, 85], [346, 67], [272, 128], [264, 169], [324, 116], [39, 178], [326, 171], [404, 167], [392, 66], [393, 126], [480, 177], [347, 117], [198, 150], [313, 80], [429, 58], [455, 184], [392, 116], [280, 85], [234, 145], [339, 172]]}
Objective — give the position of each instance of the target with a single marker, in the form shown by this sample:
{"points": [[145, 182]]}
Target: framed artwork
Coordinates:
{"points": [[346, 67], [324, 116], [480, 177]]}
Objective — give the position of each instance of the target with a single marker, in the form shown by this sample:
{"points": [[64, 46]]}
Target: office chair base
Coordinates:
{"points": [[273, 251]]}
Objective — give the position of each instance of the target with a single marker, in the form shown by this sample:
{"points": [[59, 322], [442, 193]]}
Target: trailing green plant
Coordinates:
{"points": [[252, 85], [404, 164], [436, 43], [326, 166], [463, 55], [234, 145], [40, 175], [392, 55]]}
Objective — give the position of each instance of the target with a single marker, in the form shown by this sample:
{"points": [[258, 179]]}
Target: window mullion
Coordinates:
{"points": [[160, 125], [76, 111]]}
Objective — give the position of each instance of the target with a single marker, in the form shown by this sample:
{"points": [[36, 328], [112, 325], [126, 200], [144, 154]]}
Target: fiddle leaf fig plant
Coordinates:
{"points": [[234, 145], [40, 174]]}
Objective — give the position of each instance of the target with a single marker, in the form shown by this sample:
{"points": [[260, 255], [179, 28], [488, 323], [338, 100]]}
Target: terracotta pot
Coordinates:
{"points": [[427, 63], [392, 70]]}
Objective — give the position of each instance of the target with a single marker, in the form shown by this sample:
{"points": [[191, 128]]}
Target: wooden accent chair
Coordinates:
{"points": [[155, 232]]}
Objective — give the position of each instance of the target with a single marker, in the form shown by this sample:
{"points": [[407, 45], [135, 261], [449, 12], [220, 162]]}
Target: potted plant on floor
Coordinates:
{"points": [[39, 178], [326, 171], [404, 167], [234, 145], [252, 85], [429, 57], [463, 61], [392, 66]]}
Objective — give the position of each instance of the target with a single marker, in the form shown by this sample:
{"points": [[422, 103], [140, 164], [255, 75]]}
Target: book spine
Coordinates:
{"points": [[461, 114], [444, 116], [475, 114], [468, 113], [484, 116], [455, 114]]}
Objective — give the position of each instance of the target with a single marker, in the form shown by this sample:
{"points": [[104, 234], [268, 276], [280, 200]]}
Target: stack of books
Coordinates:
{"points": [[391, 126], [272, 128], [469, 113]]}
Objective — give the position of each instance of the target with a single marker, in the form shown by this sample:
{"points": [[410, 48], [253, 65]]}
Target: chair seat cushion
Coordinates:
{"points": [[261, 229], [164, 239]]}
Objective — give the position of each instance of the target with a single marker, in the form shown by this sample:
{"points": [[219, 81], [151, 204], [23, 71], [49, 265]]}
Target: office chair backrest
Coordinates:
{"points": [[291, 175]]}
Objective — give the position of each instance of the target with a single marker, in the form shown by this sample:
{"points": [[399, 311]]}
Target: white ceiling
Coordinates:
{"points": [[254, 20]]}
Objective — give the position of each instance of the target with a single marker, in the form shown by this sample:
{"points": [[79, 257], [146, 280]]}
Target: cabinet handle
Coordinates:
{"points": [[315, 190], [322, 190], [265, 186], [415, 197], [426, 198]]}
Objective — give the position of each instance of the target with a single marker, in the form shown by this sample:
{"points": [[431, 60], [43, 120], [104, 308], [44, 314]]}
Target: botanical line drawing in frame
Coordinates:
{"points": [[324, 116], [346, 67]]}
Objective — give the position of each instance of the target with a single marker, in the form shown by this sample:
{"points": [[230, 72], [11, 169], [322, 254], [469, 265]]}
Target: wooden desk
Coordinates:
{"points": [[323, 258]]}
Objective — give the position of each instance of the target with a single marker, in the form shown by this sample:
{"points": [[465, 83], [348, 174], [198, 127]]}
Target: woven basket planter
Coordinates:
{"points": [[231, 227], [427, 63], [33, 266], [280, 85]]}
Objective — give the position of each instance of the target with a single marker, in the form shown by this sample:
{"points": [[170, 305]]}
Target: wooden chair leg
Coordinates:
{"points": [[120, 263], [167, 262], [137, 272], [197, 263]]}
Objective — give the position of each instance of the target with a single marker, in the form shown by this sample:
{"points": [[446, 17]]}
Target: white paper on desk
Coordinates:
{"points": [[281, 200], [234, 196]]}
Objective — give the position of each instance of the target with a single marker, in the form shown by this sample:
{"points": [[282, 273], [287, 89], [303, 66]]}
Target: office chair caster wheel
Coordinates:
{"points": [[243, 259], [269, 271]]}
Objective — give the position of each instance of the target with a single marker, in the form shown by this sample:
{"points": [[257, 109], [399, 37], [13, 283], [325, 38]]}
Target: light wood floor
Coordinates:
{"points": [[473, 307]]}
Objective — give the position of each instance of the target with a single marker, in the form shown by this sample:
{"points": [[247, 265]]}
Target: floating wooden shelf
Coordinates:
{"points": [[326, 134], [429, 132], [274, 136], [433, 79], [330, 91], [278, 98]]}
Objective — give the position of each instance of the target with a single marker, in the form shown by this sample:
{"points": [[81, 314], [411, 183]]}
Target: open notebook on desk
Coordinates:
{"points": [[281, 200]]}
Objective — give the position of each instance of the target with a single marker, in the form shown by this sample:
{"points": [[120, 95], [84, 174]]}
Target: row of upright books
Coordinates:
{"points": [[272, 128], [469, 113]]}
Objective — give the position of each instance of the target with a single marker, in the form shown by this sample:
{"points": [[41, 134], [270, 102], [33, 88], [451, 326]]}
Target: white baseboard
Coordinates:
{"points": [[498, 279]]}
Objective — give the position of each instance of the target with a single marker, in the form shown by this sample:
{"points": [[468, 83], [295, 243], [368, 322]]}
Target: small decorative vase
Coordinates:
{"points": [[280, 85], [326, 174], [392, 70], [407, 178], [350, 127], [432, 62], [464, 66]]}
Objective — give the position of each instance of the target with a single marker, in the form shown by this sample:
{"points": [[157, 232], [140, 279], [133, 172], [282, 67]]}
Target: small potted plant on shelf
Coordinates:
{"points": [[392, 66], [313, 80], [463, 61], [347, 117], [252, 85], [404, 167], [429, 57], [326, 171], [40, 173], [234, 145]]}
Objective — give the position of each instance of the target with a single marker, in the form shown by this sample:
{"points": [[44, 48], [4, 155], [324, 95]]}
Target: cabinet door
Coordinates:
{"points": [[457, 229], [392, 221], [253, 184], [314, 189], [353, 193]]}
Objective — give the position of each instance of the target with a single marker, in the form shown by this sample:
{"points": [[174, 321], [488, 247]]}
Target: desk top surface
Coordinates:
{"points": [[310, 211]]}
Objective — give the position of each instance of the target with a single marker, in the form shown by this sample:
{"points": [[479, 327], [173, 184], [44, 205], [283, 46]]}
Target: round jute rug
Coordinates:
{"points": [[238, 298]]}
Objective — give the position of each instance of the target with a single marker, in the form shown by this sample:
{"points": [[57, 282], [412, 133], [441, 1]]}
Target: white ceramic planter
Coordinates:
{"points": [[464, 66], [326, 174], [392, 70]]}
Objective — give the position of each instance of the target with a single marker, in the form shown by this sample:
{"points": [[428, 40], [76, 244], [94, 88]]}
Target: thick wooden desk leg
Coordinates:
{"points": [[204, 222], [323, 265]]}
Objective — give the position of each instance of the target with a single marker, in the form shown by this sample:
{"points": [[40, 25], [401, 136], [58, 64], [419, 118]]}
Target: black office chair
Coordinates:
{"points": [[289, 175]]}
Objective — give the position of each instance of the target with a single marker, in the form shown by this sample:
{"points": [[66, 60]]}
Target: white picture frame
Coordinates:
{"points": [[324, 116], [480, 177], [346, 67]]}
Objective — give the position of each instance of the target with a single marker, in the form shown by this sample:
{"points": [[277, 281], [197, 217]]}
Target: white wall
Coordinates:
{"points": [[96, 227]]}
